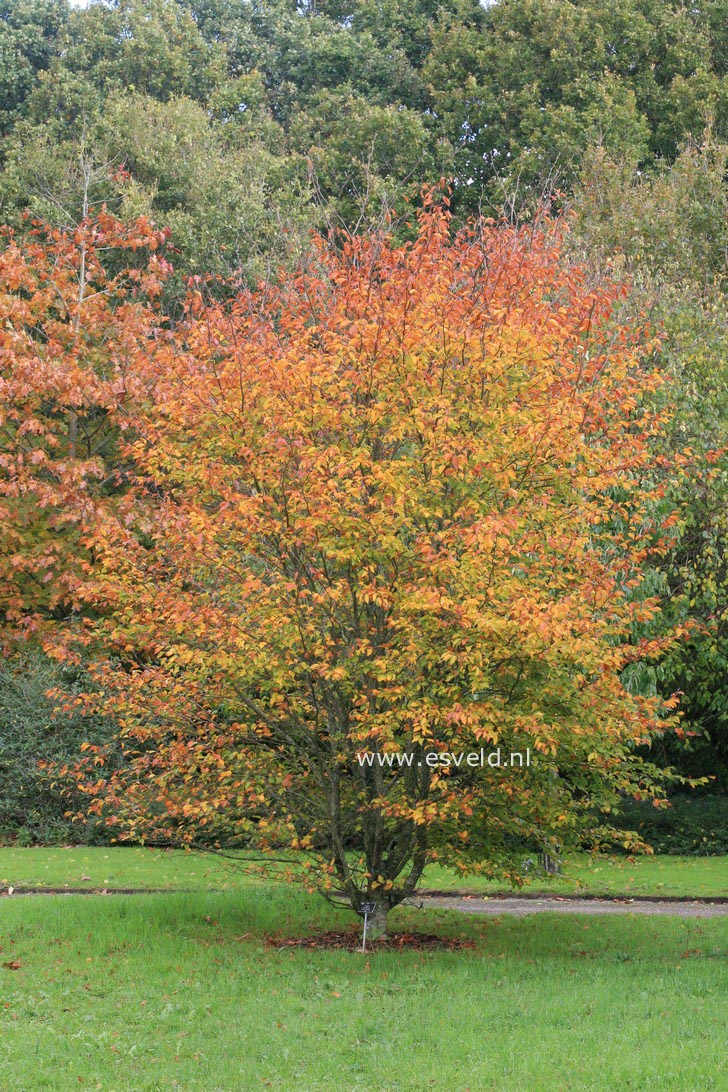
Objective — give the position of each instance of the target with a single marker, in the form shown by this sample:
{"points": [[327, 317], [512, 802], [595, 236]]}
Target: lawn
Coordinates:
{"points": [[178, 991], [120, 867], [699, 877]]}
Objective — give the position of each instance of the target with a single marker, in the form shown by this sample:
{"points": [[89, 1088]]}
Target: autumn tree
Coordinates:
{"points": [[393, 506], [75, 312]]}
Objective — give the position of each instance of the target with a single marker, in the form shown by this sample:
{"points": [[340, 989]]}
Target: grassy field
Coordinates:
{"points": [[121, 867], [178, 991], [699, 877]]}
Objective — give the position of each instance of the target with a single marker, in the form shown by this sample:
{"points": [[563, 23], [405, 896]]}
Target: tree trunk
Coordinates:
{"points": [[377, 922]]}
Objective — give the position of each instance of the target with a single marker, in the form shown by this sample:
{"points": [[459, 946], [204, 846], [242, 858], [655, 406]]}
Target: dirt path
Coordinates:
{"points": [[520, 906]]}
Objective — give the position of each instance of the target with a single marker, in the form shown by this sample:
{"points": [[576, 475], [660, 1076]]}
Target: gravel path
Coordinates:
{"points": [[517, 905], [520, 907]]}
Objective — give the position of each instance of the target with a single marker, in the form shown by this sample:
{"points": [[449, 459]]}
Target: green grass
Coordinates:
{"points": [[699, 877], [177, 991], [117, 866], [134, 867]]}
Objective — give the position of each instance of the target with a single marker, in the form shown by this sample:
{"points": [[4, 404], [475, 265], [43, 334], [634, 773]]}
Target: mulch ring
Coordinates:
{"points": [[350, 940]]}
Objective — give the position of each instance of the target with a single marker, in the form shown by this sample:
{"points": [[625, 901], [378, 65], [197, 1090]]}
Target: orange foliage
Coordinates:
{"points": [[70, 337], [398, 502]]}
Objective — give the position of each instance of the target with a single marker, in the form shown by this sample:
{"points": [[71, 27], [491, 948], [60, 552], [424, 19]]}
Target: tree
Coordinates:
{"points": [[231, 203], [151, 46], [669, 233], [365, 159], [527, 85], [31, 33], [72, 321], [394, 505]]}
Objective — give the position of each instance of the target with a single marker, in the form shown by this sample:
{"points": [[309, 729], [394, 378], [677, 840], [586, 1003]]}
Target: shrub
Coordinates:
{"points": [[35, 739], [693, 825]]}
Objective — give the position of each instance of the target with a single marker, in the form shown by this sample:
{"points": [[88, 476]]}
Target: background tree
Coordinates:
{"points": [[668, 233], [528, 86], [31, 33], [71, 335], [376, 99]]}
